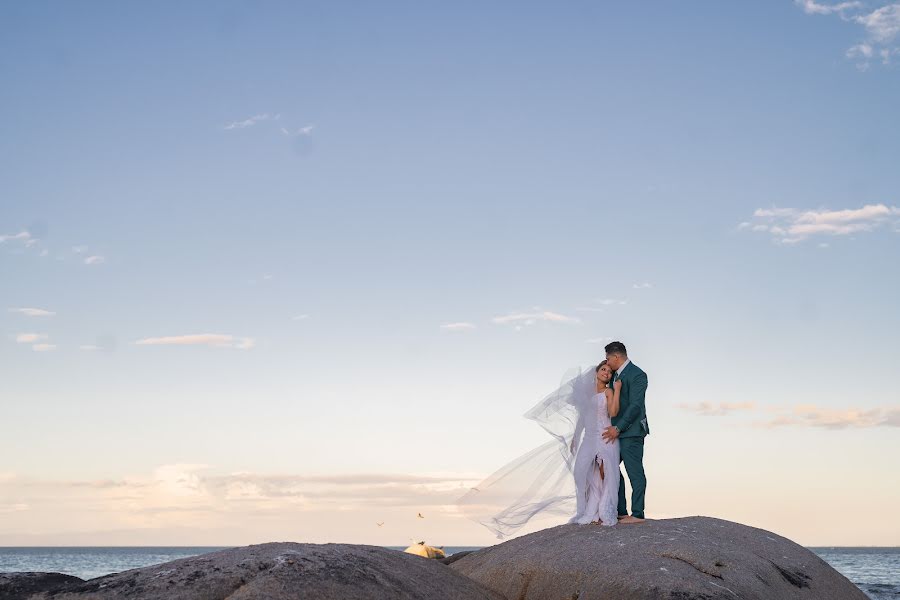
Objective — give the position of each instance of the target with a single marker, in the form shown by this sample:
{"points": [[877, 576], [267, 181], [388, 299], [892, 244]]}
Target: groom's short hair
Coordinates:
{"points": [[616, 348]]}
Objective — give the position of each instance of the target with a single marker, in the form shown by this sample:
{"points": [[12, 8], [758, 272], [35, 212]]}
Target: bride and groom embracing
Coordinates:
{"points": [[597, 419]]}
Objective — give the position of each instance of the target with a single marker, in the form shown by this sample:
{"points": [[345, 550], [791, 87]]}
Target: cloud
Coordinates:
{"points": [[299, 317], [30, 338], [720, 409], [642, 286], [599, 340], [43, 347], [530, 318], [827, 418], [23, 236], [602, 305], [811, 7], [94, 260], [250, 122], [791, 226], [881, 26], [302, 131], [200, 339], [33, 312], [457, 326]]}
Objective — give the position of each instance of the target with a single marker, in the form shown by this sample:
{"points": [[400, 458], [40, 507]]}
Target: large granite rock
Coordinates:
{"points": [[282, 571], [14, 586], [695, 558]]}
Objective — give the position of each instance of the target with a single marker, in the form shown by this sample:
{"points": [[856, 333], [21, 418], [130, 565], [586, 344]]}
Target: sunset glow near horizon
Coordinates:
{"points": [[289, 272]]}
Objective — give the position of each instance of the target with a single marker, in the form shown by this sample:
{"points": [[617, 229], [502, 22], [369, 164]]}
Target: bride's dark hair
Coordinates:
{"points": [[597, 368]]}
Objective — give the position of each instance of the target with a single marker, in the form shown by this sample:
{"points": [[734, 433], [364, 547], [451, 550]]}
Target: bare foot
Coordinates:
{"points": [[630, 520]]}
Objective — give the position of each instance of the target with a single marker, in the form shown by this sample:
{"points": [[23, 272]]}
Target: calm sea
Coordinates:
{"points": [[875, 570]]}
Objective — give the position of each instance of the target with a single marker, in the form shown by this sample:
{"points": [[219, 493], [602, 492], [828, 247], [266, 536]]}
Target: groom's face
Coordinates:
{"points": [[614, 361]]}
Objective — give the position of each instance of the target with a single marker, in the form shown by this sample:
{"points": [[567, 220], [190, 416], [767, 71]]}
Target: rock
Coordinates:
{"points": [[455, 557], [284, 571], [17, 586], [695, 558], [425, 551]]}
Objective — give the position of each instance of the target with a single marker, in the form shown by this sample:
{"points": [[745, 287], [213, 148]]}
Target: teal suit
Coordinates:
{"points": [[633, 427]]}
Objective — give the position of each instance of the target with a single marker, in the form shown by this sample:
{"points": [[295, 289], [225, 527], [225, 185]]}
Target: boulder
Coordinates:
{"points": [[283, 571], [695, 558], [16, 586]]}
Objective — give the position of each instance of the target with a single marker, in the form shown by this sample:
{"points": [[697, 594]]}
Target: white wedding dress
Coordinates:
{"points": [[596, 497], [560, 478]]}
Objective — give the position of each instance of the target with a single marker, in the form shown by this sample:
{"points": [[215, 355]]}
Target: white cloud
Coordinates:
{"points": [[599, 340], [302, 131], [299, 317], [791, 226], [530, 318], [457, 326], [811, 7], [251, 121], [642, 286], [201, 339], [94, 260], [43, 347], [33, 312], [79, 249], [30, 338], [22, 236], [883, 24], [603, 304]]}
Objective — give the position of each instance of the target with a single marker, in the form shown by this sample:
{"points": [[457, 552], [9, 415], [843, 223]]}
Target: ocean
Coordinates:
{"points": [[874, 570]]}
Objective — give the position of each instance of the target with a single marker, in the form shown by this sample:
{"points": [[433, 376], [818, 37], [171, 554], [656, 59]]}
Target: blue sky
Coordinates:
{"points": [[308, 263]]}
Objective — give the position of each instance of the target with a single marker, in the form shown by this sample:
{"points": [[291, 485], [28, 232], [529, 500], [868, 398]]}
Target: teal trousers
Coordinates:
{"points": [[631, 450]]}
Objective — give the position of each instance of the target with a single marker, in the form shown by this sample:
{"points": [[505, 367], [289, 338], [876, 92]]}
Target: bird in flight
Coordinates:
{"points": [[380, 524], [420, 516]]}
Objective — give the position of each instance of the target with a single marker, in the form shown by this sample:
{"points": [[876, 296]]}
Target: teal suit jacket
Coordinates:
{"points": [[632, 417]]}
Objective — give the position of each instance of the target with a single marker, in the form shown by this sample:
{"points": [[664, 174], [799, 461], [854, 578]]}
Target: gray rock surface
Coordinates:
{"points": [[284, 571], [695, 558], [15, 586]]}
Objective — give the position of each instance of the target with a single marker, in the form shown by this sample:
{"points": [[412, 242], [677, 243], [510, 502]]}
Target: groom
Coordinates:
{"points": [[630, 427]]}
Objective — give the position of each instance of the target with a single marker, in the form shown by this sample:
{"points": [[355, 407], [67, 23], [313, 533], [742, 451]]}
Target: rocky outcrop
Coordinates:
{"points": [[14, 586], [695, 558], [282, 571]]}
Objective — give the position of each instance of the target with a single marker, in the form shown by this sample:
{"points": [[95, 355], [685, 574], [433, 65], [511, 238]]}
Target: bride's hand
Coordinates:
{"points": [[617, 385]]}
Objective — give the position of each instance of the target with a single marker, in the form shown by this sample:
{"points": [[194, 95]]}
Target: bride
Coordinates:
{"points": [[575, 475]]}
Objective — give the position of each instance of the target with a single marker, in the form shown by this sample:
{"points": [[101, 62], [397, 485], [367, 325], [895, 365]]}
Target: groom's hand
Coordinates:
{"points": [[610, 434]]}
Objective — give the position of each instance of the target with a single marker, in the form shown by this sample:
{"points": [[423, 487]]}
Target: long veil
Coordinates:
{"points": [[540, 481]]}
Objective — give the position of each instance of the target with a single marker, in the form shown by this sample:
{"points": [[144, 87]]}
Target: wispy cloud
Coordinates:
{"points": [[709, 409], [43, 347], [458, 326], [250, 122], [23, 237], [881, 25], [811, 7], [790, 225], [33, 312], [599, 340], [30, 338], [642, 286], [94, 260], [601, 305], [520, 319], [300, 317], [200, 339], [827, 418], [307, 130]]}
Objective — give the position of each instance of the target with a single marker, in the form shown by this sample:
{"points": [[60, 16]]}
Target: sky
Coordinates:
{"points": [[295, 270]]}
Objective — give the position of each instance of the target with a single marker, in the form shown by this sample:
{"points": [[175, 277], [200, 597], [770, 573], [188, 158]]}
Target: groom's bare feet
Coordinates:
{"points": [[627, 519]]}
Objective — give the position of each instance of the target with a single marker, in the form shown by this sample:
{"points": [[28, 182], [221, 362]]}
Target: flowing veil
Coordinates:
{"points": [[540, 481]]}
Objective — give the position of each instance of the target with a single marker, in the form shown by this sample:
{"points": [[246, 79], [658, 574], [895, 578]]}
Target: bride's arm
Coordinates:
{"points": [[612, 403]]}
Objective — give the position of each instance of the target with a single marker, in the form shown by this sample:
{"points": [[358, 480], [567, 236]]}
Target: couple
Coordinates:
{"points": [[597, 419]]}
